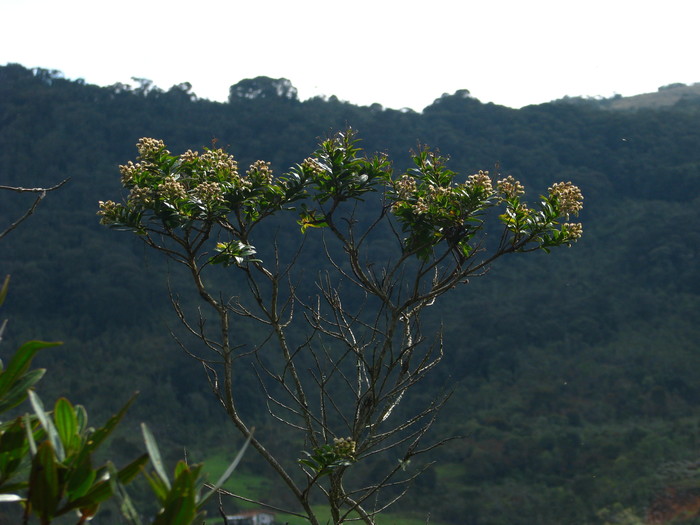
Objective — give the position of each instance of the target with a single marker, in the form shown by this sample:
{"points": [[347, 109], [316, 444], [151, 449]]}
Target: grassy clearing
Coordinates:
{"points": [[249, 485], [258, 487], [324, 517]]}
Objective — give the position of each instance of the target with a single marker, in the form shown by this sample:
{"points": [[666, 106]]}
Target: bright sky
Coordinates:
{"points": [[400, 53]]}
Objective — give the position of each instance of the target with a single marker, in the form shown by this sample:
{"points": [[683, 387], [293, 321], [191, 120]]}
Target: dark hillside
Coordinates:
{"points": [[576, 373]]}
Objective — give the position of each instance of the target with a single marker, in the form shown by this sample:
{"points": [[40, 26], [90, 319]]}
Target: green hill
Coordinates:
{"points": [[576, 388]]}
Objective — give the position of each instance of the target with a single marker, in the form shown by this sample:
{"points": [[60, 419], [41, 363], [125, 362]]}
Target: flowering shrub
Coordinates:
{"points": [[357, 364], [432, 206]]}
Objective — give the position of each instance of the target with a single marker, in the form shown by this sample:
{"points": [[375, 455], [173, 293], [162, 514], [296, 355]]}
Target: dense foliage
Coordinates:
{"points": [[577, 394]]}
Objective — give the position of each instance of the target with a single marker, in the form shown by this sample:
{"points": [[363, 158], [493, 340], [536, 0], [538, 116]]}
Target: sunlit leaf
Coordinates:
{"points": [[66, 424], [48, 426], [20, 362], [227, 473], [154, 454], [18, 392]]}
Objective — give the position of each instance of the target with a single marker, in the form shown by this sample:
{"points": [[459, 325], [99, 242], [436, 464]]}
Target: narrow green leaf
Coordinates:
{"points": [[2, 331], [126, 506], [66, 424], [30, 433], [80, 478], [102, 489], [19, 363], [82, 416], [128, 473], [180, 507], [3, 290], [160, 489], [44, 489], [18, 392], [13, 449], [48, 425], [154, 454], [103, 433], [227, 473]]}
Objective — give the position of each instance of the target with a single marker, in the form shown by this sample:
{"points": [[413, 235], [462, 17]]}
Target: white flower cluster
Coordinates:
{"points": [[171, 190], [405, 187], [140, 197], [481, 179], [219, 160], [435, 192], [108, 208], [148, 147], [189, 156], [574, 230], [312, 165], [209, 193], [568, 196], [510, 188], [130, 169], [260, 172], [344, 447]]}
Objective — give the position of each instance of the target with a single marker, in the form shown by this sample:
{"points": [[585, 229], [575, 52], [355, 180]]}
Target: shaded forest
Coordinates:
{"points": [[576, 391]]}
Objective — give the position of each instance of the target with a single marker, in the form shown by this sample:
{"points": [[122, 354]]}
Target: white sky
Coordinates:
{"points": [[399, 53]]}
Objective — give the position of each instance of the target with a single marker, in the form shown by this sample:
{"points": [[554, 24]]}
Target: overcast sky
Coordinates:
{"points": [[397, 53]]}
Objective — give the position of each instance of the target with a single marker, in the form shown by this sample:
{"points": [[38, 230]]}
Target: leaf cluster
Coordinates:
{"points": [[48, 458], [194, 193]]}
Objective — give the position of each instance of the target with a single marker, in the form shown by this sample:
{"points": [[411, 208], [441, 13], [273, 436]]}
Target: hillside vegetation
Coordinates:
{"points": [[576, 394]]}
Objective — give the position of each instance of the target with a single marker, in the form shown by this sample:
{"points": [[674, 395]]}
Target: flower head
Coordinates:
{"points": [[171, 190], [574, 230], [209, 193], [140, 197], [510, 188], [568, 196], [260, 172], [219, 160], [189, 156], [344, 447], [312, 165], [480, 180], [149, 148], [405, 187], [108, 211]]}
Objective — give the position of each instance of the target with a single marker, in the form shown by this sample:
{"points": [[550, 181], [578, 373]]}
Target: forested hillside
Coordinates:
{"points": [[575, 373]]}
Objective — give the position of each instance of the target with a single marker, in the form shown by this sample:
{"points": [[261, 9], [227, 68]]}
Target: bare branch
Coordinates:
{"points": [[32, 208]]}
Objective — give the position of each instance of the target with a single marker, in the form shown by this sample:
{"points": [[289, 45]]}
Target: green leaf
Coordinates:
{"points": [[20, 362], [4, 288], [227, 474], [180, 507], [13, 449], [126, 506], [48, 425], [66, 424], [27, 420], [103, 432], [80, 478], [82, 417], [18, 392], [44, 489], [128, 473], [102, 489], [2, 331], [154, 454], [160, 489]]}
